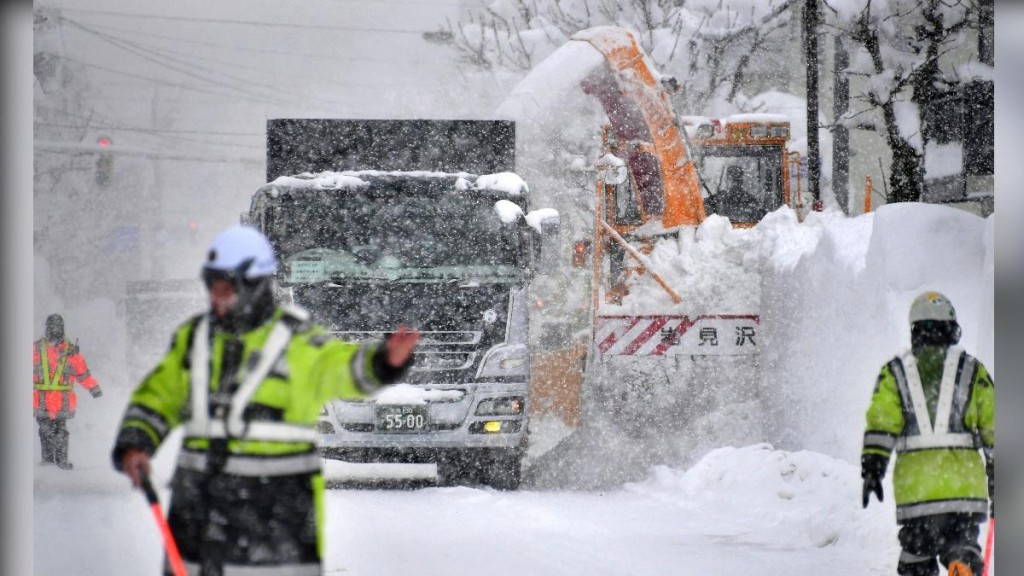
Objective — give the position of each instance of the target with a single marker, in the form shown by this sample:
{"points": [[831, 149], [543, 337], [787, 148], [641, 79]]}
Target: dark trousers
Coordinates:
{"points": [[948, 536], [53, 436], [260, 522]]}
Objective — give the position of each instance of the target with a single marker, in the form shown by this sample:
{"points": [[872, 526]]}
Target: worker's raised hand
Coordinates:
{"points": [[134, 463], [400, 346]]}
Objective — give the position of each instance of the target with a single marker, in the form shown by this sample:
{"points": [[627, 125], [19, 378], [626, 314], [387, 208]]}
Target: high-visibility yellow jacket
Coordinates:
{"points": [[247, 416], [935, 410]]}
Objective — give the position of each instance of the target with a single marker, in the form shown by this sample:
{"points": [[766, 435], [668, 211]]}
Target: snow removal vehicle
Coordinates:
{"points": [[649, 362], [379, 223]]}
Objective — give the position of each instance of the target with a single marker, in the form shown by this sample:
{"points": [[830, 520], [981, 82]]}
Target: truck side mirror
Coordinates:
{"points": [[548, 246]]}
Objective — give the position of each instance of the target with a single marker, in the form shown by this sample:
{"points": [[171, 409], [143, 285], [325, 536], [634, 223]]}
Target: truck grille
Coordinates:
{"points": [[433, 361], [437, 350]]}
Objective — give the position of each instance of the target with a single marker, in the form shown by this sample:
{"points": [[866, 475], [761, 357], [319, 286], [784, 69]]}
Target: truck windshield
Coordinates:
{"points": [[381, 229], [755, 171]]}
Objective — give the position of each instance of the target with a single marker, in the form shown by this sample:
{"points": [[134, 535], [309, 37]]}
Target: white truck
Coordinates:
{"points": [[378, 228]]}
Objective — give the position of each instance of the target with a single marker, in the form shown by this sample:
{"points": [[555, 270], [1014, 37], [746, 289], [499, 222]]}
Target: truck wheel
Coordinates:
{"points": [[504, 471]]}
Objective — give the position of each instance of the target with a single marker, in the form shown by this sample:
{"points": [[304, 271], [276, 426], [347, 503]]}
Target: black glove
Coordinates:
{"points": [[872, 470], [96, 392]]}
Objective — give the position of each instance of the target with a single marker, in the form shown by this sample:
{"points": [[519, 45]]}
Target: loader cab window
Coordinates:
{"points": [[745, 181], [735, 201]]}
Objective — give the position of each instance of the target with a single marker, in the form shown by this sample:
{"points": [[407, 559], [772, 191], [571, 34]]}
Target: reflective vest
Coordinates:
{"points": [[938, 467], [266, 423], [256, 423], [226, 422], [55, 370]]}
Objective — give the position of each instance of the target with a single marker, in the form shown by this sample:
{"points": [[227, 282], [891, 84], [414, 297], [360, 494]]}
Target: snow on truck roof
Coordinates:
{"points": [[508, 182]]}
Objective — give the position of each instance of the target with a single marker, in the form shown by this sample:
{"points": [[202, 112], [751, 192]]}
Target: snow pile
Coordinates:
{"points": [[713, 268], [508, 182], [800, 499], [840, 311]]}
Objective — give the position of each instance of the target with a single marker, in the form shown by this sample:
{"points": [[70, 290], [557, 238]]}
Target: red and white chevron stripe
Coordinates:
{"points": [[666, 335]]}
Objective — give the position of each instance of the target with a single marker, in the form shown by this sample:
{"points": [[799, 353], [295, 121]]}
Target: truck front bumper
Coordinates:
{"points": [[353, 431]]}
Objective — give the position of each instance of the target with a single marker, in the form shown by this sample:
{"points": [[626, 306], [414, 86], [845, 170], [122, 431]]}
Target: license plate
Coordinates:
{"points": [[402, 418]]}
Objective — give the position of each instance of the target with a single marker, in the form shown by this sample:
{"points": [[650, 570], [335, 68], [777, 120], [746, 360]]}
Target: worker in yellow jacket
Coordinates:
{"points": [[247, 381], [934, 406]]}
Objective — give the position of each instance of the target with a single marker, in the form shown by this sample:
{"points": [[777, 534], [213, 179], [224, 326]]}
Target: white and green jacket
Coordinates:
{"points": [[248, 405], [935, 410]]}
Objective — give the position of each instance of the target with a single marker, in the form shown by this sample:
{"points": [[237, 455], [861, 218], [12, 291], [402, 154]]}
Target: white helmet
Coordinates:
{"points": [[932, 306], [240, 252]]}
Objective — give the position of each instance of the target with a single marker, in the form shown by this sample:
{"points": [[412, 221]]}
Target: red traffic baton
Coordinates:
{"points": [[173, 556], [988, 543]]}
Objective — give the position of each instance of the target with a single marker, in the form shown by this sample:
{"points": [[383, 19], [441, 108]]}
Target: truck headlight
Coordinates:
{"points": [[507, 406], [505, 360], [496, 427]]}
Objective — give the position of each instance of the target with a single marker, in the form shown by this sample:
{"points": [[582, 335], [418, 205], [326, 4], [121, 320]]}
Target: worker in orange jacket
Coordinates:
{"points": [[56, 366]]}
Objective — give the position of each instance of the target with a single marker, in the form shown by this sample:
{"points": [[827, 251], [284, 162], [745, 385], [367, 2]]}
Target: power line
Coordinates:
{"points": [[141, 52], [276, 52], [164, 82], [346, 84], [247, 22], [108, 38]]}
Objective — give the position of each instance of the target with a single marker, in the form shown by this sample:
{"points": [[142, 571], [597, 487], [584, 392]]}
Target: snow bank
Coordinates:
{"points": [[800, 499], [837, 312]]}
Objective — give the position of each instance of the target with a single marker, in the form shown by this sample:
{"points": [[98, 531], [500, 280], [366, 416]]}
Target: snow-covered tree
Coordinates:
{"points": [[907, 54], [717, 49]]}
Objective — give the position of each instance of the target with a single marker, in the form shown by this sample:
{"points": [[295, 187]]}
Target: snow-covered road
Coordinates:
{"points": [[737, 511], [705, 522]]}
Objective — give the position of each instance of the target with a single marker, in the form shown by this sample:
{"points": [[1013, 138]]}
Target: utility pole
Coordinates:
{"points": [[840, 134], [986, 32], [154, 252], [810, 21]]}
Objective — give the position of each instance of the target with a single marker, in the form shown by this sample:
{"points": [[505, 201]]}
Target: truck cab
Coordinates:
{"points": [[449, 254]]}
